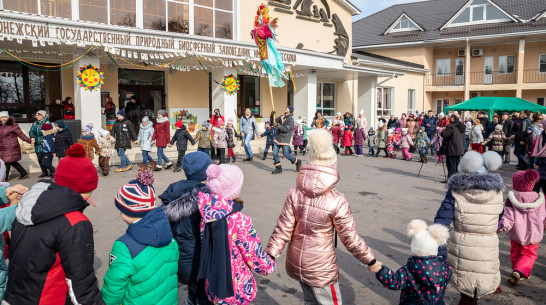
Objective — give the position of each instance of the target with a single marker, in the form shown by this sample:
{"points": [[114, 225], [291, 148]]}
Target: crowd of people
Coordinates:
{"points": [[199, 236]]}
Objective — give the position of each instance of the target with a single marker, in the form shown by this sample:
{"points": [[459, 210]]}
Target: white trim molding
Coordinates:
{"points": [[450, 23], [392, 29]]}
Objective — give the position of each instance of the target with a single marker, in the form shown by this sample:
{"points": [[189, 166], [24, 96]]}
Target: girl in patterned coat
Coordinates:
{"points": [[297, 139], [392, 143], [227, 268], [220, 143], [423, 280], [436, 143]]}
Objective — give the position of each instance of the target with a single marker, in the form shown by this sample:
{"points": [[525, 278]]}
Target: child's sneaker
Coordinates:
{"points": [[168, 165], [514, 278]]}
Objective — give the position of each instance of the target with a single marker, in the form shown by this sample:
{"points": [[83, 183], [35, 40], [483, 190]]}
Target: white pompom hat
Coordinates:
{"points": [[321, 151], [425, 240]]}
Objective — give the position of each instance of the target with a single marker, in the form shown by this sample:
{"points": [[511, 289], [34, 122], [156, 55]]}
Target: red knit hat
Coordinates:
{"points": [[178, 124], [47, 126], [76, 171], [524, 181]]}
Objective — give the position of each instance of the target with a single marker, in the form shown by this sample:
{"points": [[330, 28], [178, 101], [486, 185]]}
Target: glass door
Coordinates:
{"points": [[459, 71], [488, 70]]}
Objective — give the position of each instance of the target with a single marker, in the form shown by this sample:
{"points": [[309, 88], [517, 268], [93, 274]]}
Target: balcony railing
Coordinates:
{"points": [[445, 80], [493, 77], [534, 76]]}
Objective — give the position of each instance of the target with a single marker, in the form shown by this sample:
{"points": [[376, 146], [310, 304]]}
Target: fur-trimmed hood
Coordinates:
{"points": [[49, 132], [526, 201], [185, 205], [465, 182], [10, 121]]}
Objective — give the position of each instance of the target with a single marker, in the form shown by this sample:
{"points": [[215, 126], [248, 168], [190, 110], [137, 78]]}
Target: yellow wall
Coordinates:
{"points": [[476, 63], [532, 52], [344, 96], [531, 95], [400, 86], [187, 89], [292, 31], [279, 96], [111, 82], [416, 55]]}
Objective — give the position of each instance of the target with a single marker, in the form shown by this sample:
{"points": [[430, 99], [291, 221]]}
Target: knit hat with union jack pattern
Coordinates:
{"points": [[137, 198]]}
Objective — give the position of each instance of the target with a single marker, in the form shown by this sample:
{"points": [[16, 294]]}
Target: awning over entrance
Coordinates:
{"points": [[496, 104]]}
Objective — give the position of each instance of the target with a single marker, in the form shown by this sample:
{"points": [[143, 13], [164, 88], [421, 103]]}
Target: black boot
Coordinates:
{"points": [[295, 152], [303, 152], [265, 156], [422, 160], [426, 159], [298, 165], [278, 170]]}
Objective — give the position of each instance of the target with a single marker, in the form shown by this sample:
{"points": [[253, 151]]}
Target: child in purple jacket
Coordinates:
{"points": [[360, 137], [524, 221]]}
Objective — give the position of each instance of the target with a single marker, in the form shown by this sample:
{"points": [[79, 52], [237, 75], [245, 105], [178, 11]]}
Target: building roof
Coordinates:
{"points": [[383, 59], [432, 15]]}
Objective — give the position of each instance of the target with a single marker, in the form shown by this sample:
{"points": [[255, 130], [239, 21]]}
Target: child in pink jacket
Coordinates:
{"points": [[231, 248], [524, 220], [405, 143]]}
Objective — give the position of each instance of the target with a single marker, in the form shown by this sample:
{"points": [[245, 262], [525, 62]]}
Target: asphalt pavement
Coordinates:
{"points": [[384, 195]]}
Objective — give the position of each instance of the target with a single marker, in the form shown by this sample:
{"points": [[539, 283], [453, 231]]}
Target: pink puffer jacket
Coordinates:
{"points": [[524, 221], [311, 212]]}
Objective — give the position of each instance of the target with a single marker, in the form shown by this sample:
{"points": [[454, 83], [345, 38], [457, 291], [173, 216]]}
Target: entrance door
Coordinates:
{"points": [[151, 97], [488, 70]]}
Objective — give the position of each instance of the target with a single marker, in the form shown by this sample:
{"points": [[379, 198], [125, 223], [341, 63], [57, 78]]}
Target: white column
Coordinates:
{"points": [[367, 97], [305, 97], [220, 100], [87, 103]]}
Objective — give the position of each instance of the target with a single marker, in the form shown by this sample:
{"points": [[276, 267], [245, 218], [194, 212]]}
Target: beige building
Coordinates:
{"points": [[465, 48], [174, 55]]}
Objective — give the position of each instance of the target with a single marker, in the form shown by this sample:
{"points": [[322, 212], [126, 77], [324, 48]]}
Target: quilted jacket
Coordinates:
{"points": [[10, 151], [311, 212], [36, 133], [143, 264]]}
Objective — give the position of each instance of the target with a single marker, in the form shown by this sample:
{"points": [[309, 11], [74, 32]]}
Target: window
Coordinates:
{"points": [[203, 21], [27, 6], [405, 24], [57, 8], [506, 64], [384, 101], [459, 66], [441, 104], [479, 11], [542, 63], [326, 103], [249, 95], [94, 10], [213, 19], [123, 12], [24, 91], [154, 15], [458, 101], [411, 100], [540, 101], [443, 67], [179, 17]]}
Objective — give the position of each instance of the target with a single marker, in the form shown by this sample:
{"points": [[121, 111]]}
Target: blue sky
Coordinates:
{"points": [[369, 7]]}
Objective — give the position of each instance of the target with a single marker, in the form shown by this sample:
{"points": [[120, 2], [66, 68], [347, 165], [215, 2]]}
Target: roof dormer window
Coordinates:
{"points": [[478, 12], [403, 24]]}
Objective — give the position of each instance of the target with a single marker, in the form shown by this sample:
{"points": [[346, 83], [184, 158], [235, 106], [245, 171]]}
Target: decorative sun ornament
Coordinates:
{"points": [[230, 84], [90, 77]]}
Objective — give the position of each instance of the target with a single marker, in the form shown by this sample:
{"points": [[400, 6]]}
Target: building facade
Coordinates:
{"points": [[174, 55], [469, 48]]}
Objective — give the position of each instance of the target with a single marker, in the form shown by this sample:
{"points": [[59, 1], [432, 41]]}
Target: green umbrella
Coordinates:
{"points": [[496, 104]]}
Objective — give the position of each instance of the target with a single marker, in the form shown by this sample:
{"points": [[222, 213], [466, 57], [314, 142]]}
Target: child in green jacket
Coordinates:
{"points": [[144, 261], [204, 138]]}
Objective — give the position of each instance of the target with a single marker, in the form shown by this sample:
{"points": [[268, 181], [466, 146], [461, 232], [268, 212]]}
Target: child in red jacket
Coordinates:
{"points": [[348, 141], [162, 137], [337, 134]]}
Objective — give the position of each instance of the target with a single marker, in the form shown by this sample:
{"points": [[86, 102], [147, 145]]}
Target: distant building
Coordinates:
{"points": [[468, 48]]}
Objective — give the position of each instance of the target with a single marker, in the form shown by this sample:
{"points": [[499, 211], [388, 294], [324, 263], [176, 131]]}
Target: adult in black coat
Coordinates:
{"points": [[285, 126], [453, 145], [63, 139], [392, 123], [483, 119], [124, 133], [134, 111], [180, 202], [508, 129], [181, 137]]}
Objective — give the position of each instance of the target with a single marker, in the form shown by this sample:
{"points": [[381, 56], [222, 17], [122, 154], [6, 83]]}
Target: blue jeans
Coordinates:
{"points": [[285, 152], [205, 150], [124, 160], [519, 151], [466, 142], [422, 152], [246, 141], [146, 157], [161, 156]]}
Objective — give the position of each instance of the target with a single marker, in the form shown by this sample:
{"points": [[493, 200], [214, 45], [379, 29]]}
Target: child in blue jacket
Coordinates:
{"points": [[423, 280], [48, 147], [270, 132]]}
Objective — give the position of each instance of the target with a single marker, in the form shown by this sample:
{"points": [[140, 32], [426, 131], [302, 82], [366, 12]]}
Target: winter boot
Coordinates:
{"points": [[177, 169], [295, 152], [158, 168], [168, 165], [426, 159], [298, 165], [143, 167], [278, 170], [422, 160], [303, 152], [514, 278], [234, 159], [265, 156], [152, 165]]}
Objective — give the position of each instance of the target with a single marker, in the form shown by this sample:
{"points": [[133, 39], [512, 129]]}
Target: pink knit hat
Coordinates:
{"points": [[524, 181], [225, 180]]}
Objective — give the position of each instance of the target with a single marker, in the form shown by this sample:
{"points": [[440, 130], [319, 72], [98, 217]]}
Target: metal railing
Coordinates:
{"points": [[445, 80], [493, 77], [534, 76]]}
